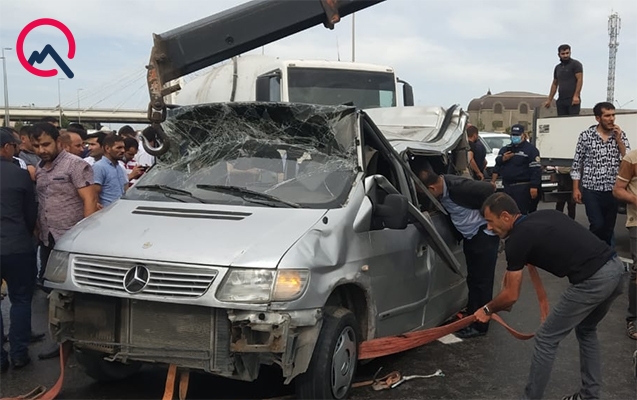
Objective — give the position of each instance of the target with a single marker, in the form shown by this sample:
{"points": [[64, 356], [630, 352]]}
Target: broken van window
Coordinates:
{"points": [[289, 154]]}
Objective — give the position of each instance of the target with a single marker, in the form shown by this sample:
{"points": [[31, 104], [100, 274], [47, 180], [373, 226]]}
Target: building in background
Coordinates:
{"points": [[498, 112]]}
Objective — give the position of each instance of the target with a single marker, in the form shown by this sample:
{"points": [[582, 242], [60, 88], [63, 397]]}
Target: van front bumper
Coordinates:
{"points": [[229, 343]]}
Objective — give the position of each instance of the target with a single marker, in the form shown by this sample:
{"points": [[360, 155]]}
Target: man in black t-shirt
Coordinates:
{"points": [[550, 240], [477, 154], [568, 76]]}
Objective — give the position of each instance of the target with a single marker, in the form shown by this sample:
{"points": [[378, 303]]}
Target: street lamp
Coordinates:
{"points": [[6, 89], [60, 101], [79, 121]]}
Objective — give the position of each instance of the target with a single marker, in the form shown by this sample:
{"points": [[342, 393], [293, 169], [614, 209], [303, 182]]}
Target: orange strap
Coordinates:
{"points": [[40, 393], [395, 344], [184, 379]]}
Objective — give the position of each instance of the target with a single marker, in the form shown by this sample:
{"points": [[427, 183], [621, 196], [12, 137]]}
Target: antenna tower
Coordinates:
{"points": [[614, 25]]}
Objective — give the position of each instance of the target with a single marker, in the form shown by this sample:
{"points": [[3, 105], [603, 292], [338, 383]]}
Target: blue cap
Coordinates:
{"points": [[517, 129]]}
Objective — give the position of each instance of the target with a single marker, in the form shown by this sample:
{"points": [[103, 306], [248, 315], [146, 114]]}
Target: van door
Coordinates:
{"points": [[398, 259]]}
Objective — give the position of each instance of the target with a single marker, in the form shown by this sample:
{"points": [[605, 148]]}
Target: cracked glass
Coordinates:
{"points": [[257, 154]]}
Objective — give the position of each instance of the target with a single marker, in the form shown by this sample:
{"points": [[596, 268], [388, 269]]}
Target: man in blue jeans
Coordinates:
{"points": [[18, 213], [550, 240], [599, 151]]}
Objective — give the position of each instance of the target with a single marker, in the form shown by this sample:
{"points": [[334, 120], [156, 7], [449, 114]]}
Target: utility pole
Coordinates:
{"points": [[353, 37], [614, 24], [79, 121], [6, 89], [60, 101]]}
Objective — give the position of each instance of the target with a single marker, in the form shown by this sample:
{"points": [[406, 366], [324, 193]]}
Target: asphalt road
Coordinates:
{"points": [[490, 367]]}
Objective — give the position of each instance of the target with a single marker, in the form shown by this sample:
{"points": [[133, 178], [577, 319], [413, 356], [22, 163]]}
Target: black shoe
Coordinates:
{"points": [[52, 352], [21, 362], [469, 332]]}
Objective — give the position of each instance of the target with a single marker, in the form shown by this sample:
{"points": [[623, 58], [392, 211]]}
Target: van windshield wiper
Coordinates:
{"points": [[243, 193], [168, 190]]}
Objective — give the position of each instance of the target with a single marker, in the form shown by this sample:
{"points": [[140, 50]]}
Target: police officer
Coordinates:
{"points": [[519, 165]]}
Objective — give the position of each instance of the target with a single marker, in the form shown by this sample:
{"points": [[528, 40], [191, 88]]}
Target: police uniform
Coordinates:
{"points": [[520, 173]]}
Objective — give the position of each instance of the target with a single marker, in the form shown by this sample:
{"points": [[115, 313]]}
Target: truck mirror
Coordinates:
{"points": [[408, 94], [394, 211], [263, 88], [268, 87]]}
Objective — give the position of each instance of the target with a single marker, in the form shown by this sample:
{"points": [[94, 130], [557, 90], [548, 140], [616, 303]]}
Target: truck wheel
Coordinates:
{"points": [[96, 367], [333, 365]]}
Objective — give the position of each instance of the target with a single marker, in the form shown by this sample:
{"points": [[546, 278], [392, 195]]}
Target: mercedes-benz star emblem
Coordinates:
{"points": [[136, 279]]}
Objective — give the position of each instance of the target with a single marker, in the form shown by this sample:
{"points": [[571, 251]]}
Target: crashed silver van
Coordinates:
{"points": [[281, 234]]}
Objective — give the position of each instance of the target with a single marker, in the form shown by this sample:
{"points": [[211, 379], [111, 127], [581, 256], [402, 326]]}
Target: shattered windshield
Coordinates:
{"points": [[261, 154], [364, 89]]}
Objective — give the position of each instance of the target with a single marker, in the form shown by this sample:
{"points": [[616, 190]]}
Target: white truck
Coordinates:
{"points": [[255, 77], [556, 139]]}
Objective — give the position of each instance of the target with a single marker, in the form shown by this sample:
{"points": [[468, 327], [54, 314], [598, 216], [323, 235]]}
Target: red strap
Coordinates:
{"points": [[395, 344]]}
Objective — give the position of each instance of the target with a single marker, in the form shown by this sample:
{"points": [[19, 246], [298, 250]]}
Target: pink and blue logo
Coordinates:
{"points": [[48, 50]]}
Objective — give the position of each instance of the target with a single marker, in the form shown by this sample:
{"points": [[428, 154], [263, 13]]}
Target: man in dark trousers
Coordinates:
{"points": [[550, 240], [568, 77], [519, 165], [462, 198], [477, 153], [18, 214]]}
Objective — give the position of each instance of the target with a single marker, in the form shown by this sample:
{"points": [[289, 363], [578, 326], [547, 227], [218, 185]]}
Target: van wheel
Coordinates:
{"points": [[96, 367], [333, 365]]}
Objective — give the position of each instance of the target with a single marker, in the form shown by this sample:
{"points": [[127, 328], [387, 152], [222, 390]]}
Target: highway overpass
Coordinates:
{"points": [[93, 115]]}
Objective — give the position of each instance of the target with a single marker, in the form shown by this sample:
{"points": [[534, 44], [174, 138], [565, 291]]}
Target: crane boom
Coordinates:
{"points": [[237, 30]]}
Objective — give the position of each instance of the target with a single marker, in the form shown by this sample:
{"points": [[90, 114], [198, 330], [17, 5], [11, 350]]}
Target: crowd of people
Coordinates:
{"points": [[52, 178]]}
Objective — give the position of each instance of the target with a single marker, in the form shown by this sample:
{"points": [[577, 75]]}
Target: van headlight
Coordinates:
{"points": [[57, 266], [262, 286]]}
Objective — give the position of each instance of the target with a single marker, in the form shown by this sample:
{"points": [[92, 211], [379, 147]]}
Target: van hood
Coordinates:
{"points": [[209, 234], [428, 130]]}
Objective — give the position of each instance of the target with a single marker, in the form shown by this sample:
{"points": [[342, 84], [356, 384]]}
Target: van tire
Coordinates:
{"points": [[95, 366], [339, 334]]}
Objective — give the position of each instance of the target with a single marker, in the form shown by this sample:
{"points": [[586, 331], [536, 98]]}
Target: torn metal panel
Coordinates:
{"points": [[432, 130]]}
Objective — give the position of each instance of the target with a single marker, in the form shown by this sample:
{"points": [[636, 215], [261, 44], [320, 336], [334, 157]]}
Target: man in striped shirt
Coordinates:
{"points": [[599, 151]]}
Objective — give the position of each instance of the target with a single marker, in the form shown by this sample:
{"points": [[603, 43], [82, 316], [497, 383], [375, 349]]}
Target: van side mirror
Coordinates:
{"points": [[394, 211], [408, 94]]}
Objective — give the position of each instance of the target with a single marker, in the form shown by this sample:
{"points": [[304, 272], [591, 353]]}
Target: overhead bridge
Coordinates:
{"points": [[93, 115]]}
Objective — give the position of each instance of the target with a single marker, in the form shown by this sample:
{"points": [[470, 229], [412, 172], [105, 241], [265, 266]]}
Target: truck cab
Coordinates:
{"points": [[264, 78]]}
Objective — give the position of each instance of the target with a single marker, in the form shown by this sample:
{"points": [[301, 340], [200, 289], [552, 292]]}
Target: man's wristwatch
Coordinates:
{"points": [[486, 310]]}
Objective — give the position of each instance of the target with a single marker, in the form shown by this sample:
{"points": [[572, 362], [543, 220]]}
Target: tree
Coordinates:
{"points": [[65, 121]]}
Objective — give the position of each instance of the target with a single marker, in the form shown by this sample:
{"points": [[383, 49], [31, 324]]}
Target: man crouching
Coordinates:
{"points": [[552, 241]]}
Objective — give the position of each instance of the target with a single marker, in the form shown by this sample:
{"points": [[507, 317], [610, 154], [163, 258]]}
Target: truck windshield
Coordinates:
{"points": [[364, 89], [256, 154]]}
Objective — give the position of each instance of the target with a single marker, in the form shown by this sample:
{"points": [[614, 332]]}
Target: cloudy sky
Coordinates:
{"points": [[449, 51]]}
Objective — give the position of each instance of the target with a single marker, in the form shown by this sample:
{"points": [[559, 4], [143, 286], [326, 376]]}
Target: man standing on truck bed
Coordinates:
{"points": [[599, 150], [568, 76], [519, 165]]}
